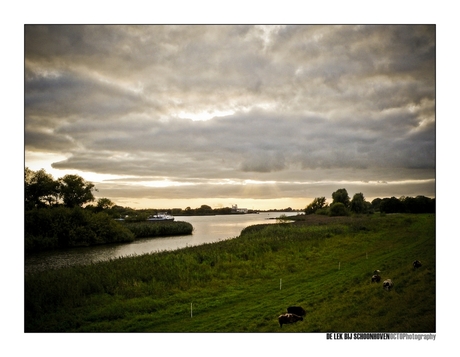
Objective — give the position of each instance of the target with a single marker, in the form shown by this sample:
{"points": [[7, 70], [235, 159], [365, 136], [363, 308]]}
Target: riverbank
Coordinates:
{"points": [[206, 230], [243, 284], [62, 228]]}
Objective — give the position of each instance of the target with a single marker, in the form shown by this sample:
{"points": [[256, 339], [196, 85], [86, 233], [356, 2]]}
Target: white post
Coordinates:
{"points": [[191, 310], [280, 283]]}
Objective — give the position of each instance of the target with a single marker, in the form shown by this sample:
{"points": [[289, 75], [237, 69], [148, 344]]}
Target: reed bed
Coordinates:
{"points": [[159, 229]]}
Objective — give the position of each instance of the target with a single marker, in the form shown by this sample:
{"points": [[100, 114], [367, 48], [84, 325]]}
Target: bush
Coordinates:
{"points": [[61, 227], [317, 204], [338, 209], [323, 212], [107, 230]]}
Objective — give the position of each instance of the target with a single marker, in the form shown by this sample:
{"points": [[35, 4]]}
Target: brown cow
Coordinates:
{"points": [[289, 319]]}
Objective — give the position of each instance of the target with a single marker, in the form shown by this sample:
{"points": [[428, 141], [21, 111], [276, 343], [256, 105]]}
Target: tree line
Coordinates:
{"points": [[55, 216], [41, 190], [342, 205]]}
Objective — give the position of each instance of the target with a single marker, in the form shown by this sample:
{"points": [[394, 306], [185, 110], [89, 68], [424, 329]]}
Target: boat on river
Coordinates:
{"points": [[160, 217]]}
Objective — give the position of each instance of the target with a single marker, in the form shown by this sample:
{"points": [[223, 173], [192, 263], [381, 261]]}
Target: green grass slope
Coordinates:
{"points": [[323, 264]]}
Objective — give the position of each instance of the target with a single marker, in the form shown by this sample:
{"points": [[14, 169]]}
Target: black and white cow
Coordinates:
{"points": [[296, 310], [417, 264], [289, 319], [375, 278], [388, 284]]}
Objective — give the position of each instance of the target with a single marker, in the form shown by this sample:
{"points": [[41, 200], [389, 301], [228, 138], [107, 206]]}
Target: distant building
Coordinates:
{"points": [[235, 209]]}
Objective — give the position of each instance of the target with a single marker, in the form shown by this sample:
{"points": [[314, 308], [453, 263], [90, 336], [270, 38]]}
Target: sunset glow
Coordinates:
{"points": [[263, 116]]}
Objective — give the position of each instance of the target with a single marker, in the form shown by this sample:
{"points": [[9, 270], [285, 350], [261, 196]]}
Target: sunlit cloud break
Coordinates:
{"points": [[216, 112]]}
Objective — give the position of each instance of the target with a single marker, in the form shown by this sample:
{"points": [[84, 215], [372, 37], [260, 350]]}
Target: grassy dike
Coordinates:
{"points": [[241, 285]]}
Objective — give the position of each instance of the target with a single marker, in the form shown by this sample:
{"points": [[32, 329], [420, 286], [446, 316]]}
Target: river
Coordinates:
{"points": [[207, 229]]}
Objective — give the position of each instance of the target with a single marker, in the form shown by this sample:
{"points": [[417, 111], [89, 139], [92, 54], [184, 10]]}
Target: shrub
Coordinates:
{"points": [[317, 204], [323, 212], [338, 209], [62, 227]]}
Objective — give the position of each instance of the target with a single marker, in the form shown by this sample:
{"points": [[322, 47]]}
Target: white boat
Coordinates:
{"points": [[160, 217]]}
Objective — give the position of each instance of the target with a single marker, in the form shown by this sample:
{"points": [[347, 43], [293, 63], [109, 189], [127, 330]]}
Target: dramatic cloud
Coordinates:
{"points": [[233, 112]]}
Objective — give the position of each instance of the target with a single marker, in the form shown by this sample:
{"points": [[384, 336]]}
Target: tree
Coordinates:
{"points": [[316, 204], [376, 204], [391, 205], [341, 195], [40, 189], [358, 203], [204, 209], [75, 191], [338, 209], [104, 203], [419, 204]]}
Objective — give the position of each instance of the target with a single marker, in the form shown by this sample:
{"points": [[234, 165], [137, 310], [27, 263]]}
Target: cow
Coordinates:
{"points": [[288, 319], [388, 284], [375, 278], [417, 264], [296, 310], [377, 272]]}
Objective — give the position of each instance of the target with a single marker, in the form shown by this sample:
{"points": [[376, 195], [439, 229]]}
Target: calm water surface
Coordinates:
{"points": [[207, 229]]}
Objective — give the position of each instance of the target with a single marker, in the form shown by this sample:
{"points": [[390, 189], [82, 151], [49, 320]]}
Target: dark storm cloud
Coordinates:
{"points": [[282, 103]]}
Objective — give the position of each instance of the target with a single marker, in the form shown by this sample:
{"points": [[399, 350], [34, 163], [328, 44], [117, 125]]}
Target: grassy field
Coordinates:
{"points": [[322, 263]]}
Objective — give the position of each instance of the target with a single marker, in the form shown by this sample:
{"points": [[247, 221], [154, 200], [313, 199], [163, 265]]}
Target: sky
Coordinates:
{"points": [[262, 116]]}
